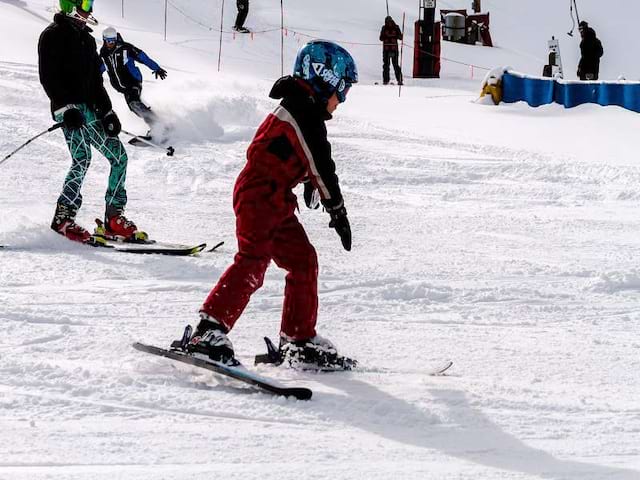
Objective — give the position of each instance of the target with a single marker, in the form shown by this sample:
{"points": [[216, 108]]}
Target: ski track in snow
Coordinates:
{"points": [[518, 264]]}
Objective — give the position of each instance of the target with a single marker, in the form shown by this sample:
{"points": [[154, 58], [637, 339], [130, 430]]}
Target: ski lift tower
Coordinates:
{"points": [[426, 56]]}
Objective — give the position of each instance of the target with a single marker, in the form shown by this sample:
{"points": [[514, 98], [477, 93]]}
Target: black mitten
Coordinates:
{"points": [[340, 223], [111, 124], [73, 119]]}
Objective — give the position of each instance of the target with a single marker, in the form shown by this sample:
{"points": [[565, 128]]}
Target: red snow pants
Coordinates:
{"points": [[267, 229]]}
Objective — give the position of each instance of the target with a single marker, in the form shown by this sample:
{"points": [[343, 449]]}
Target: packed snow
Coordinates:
{"points": [[503, 238]]}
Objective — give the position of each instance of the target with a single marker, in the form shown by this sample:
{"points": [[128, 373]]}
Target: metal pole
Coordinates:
{"points": [[221, 25], [165, 20], [122, 8], [282, 38], [387, 8], [577, 15], [50, 129]]}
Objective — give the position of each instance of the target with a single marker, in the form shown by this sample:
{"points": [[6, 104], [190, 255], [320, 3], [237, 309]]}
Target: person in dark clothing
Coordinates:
{"points": [[119, 59], [590, 53], [290, 147], [243, 11], [389, 36], [69, 68]]}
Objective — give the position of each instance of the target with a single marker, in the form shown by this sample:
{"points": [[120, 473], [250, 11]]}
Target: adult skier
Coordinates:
{"points": [[289, 147], [243, 11], [69, 68], [389, 36], [590, 53], [120, 59]]}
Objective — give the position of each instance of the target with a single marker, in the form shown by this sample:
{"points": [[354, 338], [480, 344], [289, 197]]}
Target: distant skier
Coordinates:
{"points": [[590, 53], [389, 36], [69, 68], [243, 11], [119, 58], [289, 147]]}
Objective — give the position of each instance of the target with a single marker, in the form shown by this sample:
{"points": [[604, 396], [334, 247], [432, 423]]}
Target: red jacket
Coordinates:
{"points": [[289, 147]]}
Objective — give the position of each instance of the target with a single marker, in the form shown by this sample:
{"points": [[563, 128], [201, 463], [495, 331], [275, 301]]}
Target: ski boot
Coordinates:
{"points": [[210, 339], [316, 353], [64, 223], [241, 29], [116, 226]]}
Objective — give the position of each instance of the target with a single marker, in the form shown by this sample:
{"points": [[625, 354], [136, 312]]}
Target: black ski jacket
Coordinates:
{"points": [[120, 65], [389, 35], [69, 66], [591, 50]]}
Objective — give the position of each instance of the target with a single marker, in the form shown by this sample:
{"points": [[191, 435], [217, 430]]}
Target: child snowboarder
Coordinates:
{"points": [[290, 147], [119, 58], [69, 68]]}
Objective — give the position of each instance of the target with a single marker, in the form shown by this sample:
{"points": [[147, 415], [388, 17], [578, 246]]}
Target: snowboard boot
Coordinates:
{"points": [[64, 223], [117, 225], [211, 339], [316, 353]]}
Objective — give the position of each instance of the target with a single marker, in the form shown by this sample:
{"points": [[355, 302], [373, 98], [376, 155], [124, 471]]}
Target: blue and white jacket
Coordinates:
{"points": [[119, 63]]}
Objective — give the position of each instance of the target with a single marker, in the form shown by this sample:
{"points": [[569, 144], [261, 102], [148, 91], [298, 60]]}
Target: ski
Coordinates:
{"points": [[156, 248], [149, 249], [145, 141], [440, 369], [141, 243], [239, 372]]}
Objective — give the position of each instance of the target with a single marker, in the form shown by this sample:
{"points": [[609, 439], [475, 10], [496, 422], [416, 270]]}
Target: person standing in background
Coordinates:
{"points": [[590, 53], [389, 36], [243, 11]]}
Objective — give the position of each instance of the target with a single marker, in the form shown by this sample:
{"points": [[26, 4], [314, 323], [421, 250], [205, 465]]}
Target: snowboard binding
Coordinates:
{"points": [[331, 363]]}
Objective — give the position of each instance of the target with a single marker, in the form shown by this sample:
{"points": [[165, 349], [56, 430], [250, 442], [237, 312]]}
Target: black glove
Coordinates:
{"points": [[111, 124], [73, 119], [161, 72], [340, 223], [311, 196]]}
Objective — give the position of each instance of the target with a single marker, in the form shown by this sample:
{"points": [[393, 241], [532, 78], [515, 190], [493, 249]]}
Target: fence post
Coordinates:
{"points": [[221, 25], [282, 38], [165, 20]]}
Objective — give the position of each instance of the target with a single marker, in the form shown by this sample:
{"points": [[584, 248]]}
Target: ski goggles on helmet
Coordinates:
{"points": [[342, 90], [87, 5]]}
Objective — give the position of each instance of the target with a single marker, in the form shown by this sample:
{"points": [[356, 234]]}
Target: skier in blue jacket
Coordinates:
{"points": [[119, 59]]}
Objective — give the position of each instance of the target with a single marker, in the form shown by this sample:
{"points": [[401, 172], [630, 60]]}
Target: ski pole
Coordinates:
{"points": [[170, 151], [50, 129]]}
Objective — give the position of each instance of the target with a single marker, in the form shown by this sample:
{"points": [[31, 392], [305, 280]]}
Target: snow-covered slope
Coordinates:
{"points": [[504, 238]]}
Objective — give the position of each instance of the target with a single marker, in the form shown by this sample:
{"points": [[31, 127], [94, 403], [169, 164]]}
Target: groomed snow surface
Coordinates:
{"points": [[504, 238]]}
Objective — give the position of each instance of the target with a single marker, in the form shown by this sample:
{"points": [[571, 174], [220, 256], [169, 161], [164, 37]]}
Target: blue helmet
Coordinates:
{"points": [[327, 67]]}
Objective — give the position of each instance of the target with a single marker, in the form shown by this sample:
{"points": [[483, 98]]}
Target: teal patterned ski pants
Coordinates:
{"points": [[79, 143]]}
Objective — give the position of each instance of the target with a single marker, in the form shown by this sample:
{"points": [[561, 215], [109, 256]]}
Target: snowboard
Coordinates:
{"points": [[238, 372]]}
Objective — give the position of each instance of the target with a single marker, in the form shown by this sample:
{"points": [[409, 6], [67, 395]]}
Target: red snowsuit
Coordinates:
{"points": [[289, 147]]}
